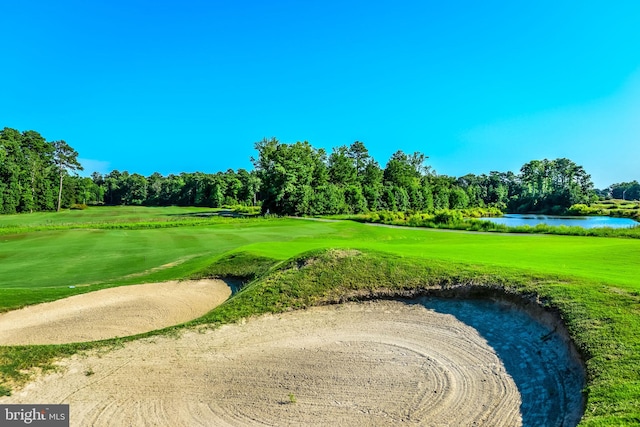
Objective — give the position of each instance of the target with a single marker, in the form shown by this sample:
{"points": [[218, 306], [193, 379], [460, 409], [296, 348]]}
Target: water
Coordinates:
{"points": [[515, 220]]}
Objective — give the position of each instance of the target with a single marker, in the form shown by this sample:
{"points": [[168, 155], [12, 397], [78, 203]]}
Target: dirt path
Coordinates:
{"points": [[364, 364], [114, 312]]}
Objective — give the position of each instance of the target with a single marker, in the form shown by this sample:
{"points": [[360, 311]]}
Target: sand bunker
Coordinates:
{"points": [[114, 312], [373, 363]]}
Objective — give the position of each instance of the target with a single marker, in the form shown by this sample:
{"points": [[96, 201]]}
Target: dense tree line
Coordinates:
{"points": [[37, 175], [623, 190], [34, 173], [552, 186], [291, 179], [185, 189], [298, 179]]}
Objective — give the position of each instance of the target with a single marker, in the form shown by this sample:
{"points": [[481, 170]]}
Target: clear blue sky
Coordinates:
{"points": [[189, 86]]}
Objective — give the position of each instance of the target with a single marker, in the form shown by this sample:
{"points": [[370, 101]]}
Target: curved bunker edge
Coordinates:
{"points": [[550, 318]]}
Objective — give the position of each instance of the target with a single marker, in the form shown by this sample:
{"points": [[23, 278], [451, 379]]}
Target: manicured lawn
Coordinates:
{"points": [[42, 265], [593, 281], [100, 214], [85, 256], [596, 259], [108, 256]]}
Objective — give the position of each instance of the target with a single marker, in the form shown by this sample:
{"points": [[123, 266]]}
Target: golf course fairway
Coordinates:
{"points": [[288, 264]]}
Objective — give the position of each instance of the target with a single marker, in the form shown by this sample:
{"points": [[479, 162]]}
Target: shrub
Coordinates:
{"points": [[374, 217], [447, 216], [580, 210], [478, 212]]}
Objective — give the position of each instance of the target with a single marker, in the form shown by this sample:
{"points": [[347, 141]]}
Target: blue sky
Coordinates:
{"points": [[189, 86]]}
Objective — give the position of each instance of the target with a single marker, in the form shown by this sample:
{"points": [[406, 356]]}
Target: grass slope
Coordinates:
{"points": [[591, 281], [602, 321], [101, 215]]}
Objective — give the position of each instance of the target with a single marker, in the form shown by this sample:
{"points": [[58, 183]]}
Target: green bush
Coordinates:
{"points": [[449, 217], [481, 212], [471, 220], [581, 210], [243, 209]]}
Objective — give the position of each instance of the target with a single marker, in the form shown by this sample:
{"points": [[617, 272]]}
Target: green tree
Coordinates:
{"points": [[250, 186], [354, 199], [552, 186], [38, 160], [65, 159], [136, 190], [403, 170], [173, 190], [458, 198], [625, 190], [214, 190], [441, 186], [341, 168], [233, 186], [360, 158], [11, 170], [88, 191], [154, 189], [289, 174], [372, 185], [327, 199], [113, 183]]}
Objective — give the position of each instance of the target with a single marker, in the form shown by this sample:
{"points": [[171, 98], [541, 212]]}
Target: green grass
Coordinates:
{"points": [[237, 265], [593, 282], [41, 265], [602, 320], [101, 214], [468, 220], [613, 207]]}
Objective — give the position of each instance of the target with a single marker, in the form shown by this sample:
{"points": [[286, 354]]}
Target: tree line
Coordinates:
{"points": [[292, 179], [622, 190], [33, 172], [298, 179], [185, 189]]}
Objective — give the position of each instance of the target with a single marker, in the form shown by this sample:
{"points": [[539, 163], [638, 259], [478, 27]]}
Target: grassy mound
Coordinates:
{"points": [[601, 320], [243, 266]]}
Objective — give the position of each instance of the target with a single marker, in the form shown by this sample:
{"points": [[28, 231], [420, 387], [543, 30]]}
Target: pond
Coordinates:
{"points": [[516, 220]]}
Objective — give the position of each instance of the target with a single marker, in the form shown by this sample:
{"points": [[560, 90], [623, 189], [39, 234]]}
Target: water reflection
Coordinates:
{"points": [[516, 220]]}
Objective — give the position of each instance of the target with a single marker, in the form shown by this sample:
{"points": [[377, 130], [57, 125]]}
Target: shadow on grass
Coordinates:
{"points": [[225, 213]]}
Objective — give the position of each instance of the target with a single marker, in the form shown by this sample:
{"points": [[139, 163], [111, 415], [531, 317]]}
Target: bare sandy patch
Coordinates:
{"points": [[114, 312], [356, 364]]}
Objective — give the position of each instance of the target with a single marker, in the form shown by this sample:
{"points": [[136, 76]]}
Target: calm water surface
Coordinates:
{"points": [[515, 220]]}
